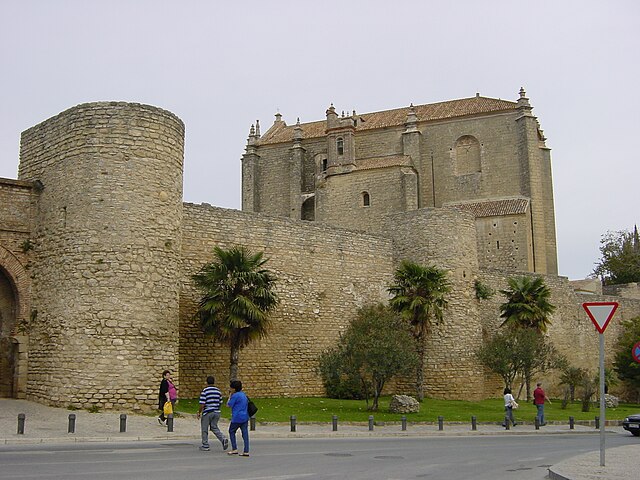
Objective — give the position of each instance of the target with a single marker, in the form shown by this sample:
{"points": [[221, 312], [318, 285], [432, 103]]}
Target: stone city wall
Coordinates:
{"points": [[324, 275]]}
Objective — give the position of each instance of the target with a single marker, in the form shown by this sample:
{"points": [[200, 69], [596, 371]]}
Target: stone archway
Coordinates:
{"points": [[14, 301]]}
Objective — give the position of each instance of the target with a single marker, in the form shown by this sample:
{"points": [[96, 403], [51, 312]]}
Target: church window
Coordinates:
{"points": [[467, 155], [366, 199], [340, 145], [324, 164]]}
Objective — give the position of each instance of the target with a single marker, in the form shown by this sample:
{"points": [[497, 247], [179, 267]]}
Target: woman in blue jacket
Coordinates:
{"points": [[238, 403]]}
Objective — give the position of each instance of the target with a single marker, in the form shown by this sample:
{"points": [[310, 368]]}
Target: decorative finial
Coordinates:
{"points": [[257, 128], [523, 94]]}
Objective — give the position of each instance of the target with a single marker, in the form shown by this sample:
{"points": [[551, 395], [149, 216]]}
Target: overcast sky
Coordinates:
{"points": [[220, 66]]}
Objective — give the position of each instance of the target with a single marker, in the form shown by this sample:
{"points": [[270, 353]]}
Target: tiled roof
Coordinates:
{"points": [[280, 133], [494, 208], [382, 162]]}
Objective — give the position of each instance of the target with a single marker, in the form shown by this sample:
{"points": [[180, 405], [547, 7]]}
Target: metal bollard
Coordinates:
{"points": [[370, 422], [293, 423], [404, 423], [123, 422], [506, 422], [21, 420], [72, 423], [334, 423], [441, 423], [597, 423], [474, 423], [537, 423], [252, 424], [571, 423], [170, 423]]}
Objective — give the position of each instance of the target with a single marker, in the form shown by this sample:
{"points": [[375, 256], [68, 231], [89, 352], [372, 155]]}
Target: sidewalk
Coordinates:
{"points": [[50, 425]]}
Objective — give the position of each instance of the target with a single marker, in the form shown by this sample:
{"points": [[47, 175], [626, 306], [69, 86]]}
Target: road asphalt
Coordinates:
{"points": [[43, 424]]}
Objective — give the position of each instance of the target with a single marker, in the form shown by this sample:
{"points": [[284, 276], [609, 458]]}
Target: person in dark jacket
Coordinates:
{"points": [[163, 395]]}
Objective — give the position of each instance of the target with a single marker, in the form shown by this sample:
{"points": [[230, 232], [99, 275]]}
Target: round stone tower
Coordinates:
{"points": [[104, 319], [446, 238]]}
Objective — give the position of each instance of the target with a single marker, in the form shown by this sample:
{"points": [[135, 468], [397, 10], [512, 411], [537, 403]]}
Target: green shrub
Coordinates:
{"points": [[338, 383]]}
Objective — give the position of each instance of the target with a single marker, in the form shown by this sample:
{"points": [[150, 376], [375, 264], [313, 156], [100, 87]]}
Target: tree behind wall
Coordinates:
{"points": [[238, 296], [620, 262]]}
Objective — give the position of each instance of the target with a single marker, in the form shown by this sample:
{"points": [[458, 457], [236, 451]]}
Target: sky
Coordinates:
{"points": [[222, 65]]}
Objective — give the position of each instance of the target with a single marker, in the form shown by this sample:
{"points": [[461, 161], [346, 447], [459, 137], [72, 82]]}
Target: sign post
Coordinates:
{"points": [[635, 352], [601, 314]]}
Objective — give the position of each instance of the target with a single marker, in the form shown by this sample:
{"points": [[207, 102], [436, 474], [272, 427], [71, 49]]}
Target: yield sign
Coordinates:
{"points": [[600, 313]]}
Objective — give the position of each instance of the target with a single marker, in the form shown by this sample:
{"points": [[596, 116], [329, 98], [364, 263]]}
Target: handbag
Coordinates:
{"points": [[168, 408], [251, 408]]}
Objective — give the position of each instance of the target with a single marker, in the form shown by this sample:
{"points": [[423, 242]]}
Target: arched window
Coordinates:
{"points": [[324, 164], [366, 199], [340, 145], [467, 155]]}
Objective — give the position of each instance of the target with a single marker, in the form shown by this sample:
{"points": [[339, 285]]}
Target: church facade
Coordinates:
{"points": [[482, 155]]}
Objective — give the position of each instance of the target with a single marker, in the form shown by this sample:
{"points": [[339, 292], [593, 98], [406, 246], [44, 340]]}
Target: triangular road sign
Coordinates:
{"points": [[600, 313]]}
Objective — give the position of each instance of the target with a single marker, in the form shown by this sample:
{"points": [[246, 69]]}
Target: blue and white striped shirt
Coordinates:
{"points": [[211, 398]]}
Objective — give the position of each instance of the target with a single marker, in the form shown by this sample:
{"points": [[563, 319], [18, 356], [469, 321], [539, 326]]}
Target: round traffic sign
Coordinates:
{"points": [[635, 352]]}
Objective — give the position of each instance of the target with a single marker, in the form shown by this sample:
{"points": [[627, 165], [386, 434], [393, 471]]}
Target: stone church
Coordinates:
{"points": [[97, 246], [482, 155]]}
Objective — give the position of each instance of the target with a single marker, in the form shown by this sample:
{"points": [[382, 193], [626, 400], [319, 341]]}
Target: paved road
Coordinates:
{"points": [[489, 457]]}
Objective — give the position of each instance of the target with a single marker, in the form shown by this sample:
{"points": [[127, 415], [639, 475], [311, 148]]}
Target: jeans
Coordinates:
{"points": [[508, 416], [208, 421], [244, 430], [540, 414]]}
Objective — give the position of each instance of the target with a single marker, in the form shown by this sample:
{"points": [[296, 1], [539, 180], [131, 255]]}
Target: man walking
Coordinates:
{"points": [[209, 414], [539, 398]]}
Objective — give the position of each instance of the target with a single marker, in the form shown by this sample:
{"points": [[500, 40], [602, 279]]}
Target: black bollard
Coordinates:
{"points": [[441, 423], [474, 423], [21, 419], [123, 422], [72, 423], [334, 423], [597, 423], [571, 423], [170, 423], [252, 424], [404, 423], [537, 423], [506, 423], [370, 422], [293, 423]]}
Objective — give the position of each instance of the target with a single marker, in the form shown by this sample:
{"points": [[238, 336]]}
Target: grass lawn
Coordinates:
{"points": [[491, 410]]}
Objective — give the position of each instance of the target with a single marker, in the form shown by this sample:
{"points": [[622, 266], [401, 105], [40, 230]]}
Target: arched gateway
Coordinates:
{"points": [[13, 314]]}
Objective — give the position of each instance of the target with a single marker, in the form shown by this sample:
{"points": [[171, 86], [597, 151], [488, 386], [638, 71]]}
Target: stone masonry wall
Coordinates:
{"points": [[107, 249], [339, 201], [571, 330], [324, 275], [446, 238]]}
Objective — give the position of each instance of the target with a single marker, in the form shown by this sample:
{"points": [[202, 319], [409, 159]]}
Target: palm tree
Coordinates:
{"points": [[419, 296], [237, 298], [527, 304], [528, 307]]}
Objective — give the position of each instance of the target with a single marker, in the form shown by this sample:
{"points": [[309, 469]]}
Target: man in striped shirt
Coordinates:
{"points": [[209, 414]]}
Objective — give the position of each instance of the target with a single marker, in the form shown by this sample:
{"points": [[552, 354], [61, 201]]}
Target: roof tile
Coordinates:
{"points": [[281, 133]]}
